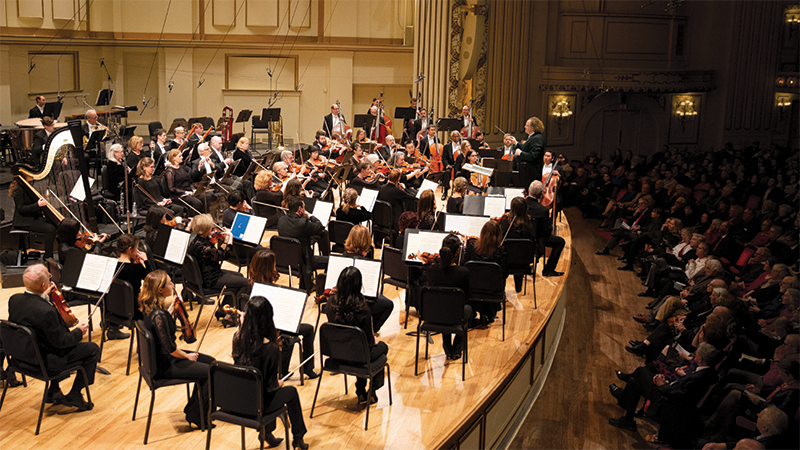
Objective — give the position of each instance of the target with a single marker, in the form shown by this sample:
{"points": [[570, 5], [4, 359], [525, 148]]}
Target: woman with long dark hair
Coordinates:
{"points": [[257, 344], [488, 248], [521, 228], [349, 307]]}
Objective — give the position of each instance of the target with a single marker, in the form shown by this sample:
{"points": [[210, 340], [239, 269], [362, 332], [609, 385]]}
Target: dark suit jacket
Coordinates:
{"points": [[447, 156], [727, 248], [425, 148], [37, 148], [26, 208], [327, 124], [540, 216], [35, 113], [244, 162], [53, 336], [196, 173], [160, 157], [395, 197], [689, 389]]}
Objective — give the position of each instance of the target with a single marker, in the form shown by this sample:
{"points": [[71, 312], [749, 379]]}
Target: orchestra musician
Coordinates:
{"points": [[262, 270], [135, 153], [292, 188], [359, 245], [426, 210], [178, 178], [157, 305], [467, 156], [487, 248], [412, 177], [531, 151], [115, 170], [358, 155], [544, 229], [215, 144], [236, 204], [427, 140], [194, 140], [508, 150], [318, 181], [349, 307], [146, 182], [243, 155], [205, 165], [321, 143], [450, 154], [29, 213], [40, 140], [420, 124], [265, 195], [395, 195], [455, 204], [157, 215], [334, 122], [180, 138], [90, 127], [60, 347], [521, 228], [159, 150], [298, 224], [379, 122], [388, 150], [280, 172], [364, 175], [38, 110], [466, 119], [133, 268], [350, 212], [257, 344]]}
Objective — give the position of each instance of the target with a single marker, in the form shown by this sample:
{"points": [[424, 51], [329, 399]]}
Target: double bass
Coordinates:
{"points": [[383, 125], [470, 131]]}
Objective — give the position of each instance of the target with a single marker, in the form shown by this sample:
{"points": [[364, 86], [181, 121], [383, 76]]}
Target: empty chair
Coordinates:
{"points": [[288, 256], [521, 261], [339, 231]]}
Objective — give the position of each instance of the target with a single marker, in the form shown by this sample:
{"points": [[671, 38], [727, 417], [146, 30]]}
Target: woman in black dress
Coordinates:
{"points": [[266, 196], [359, 245], [426, 210], [171, 362], [348, 307], [29, 213], [257, 345], [243, 155], [133, 265], [521, 228], [349, 211], [147, 192], [455, 204], [179, 184]]}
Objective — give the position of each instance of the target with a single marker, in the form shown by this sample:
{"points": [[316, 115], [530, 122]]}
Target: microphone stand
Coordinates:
{"points": [[127, 195]]}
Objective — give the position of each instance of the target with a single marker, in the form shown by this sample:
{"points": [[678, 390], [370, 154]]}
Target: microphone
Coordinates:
{"points": [[201, 83], [102, 62], [269, 72], [171, 83], [33, 65]]}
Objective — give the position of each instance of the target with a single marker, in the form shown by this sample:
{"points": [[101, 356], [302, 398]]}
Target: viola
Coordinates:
{"points": [[372, 177], [425, 257], [217, 235], [326, 294], [63, 309], [86, 240], [501, 218], [187, 329]]}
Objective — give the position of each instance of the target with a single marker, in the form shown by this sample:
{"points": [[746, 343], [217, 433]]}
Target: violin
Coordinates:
{"points": [[187, 330], [87, 240], [326, 294], [501, 218], [217, 235], [425, 257], [373, 176], [63, 309]]}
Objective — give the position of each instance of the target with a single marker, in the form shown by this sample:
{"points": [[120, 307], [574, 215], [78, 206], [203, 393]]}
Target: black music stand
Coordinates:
{"points": [[104, 97], [448, 125], [405, 113], [364, 121], [191, 122], [52, 109], [175, 124], [243, 117], [270, 115]]}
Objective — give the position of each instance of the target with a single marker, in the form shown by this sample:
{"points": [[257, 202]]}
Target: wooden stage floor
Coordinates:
{"points": [[426, 408]]}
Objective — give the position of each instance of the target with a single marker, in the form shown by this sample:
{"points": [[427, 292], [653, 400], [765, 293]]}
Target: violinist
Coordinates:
{"points": [[237, 204], [412, 175], [521, 228], [358, 155], [60, 347], [300, 225], [266, 195], [29, 213], [318, 181], [287, 157], [210, 248], [243, 155], [426, 210], [157, 215], [179, 184], [71, 238], [262, 270], [180, 138], [395, 194], [147, 192], [280, 172], [488, 248], [364, 175], [350, 212], [132, 267], [359, 245], [455, 204], [257, 344], [159, 150], [321, 143], [294, 188], [157, 305]]}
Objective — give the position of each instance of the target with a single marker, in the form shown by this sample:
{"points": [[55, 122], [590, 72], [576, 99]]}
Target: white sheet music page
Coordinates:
{"points": [[255, 229], [468, 225], [322, 211], [176, 246], [336, 264], [287, 305], [77, 191], [424, 242], [367, 198], [370, 276], [426, 184], [108, 275], [94, 267], [494, 206]]}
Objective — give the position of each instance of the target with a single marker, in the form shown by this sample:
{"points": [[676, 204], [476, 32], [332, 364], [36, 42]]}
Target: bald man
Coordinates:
{"points": [[60, 347]]}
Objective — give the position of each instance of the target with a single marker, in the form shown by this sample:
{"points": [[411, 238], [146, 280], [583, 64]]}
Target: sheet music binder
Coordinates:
{"points": [[248, 229], [288, 305], [371, 283], [364, 121], [73, 269], [52, 109], [163, 240], [431, 242], [476, 205]]}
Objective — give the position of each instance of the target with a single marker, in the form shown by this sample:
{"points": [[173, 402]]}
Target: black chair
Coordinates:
{"points": [[147, 371], [153, 126], [288, 255], [119, 309], [22, 351], [321, 279], [339, 230], [441, 310], [395, 272], [347, 352], [487, 285], [522, 261], [382, 221], [193, 282], [23, 245], [238, 255], [236, 397]]}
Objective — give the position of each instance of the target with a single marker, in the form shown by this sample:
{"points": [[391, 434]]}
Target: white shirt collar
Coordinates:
{"points": [[40, 295]]}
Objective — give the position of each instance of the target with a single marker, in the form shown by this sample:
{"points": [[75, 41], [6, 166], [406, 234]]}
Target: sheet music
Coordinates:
{"points": [[287, 305], [77, 191], [478, 169], [367, 198], [108, 275], [509, 197], [423, 241], [176, 246], [426, 184], [370, 276], [93, 272], [336, 264], [469, 225], [322, 211], [494, 206]]}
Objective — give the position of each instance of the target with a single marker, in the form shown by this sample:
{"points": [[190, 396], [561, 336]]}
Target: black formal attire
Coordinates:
{"points": [[28, 215], [179, 185], [162, 326], [487, 310], [455, 277], [521, 231], [353, 215], [358, 181], [455, 205], [425, 146], [686, 390], [544, 233], [532, 155], [209, 257], [727, 248], [193, 141], [37, 148], [152, 187], [380, 307], [60, 347], [245, 159], [134, 274], [116, 180], [363, 320], [397, 198], [316, 147], [216, 168], [245, 186], [160, 157], [36, 113], [270, 198], [267, 359], [418, 125], [304, 229], [327, 125], [132, 160], [465, 122]]}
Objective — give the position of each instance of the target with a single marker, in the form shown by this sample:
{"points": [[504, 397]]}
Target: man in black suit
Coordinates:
{"points": [[396, 196], [417, 125], [686, 390], [449, 159], [531, 152], [466, 119], [159, 150], [334, 122], [60, 346], [300, 225], [544, 229], [206, 164], [40, 140], [38, 110], [727, 247], [194, 140]]}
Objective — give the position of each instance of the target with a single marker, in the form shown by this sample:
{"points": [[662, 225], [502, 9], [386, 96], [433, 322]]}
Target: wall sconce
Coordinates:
{"points": [[561, 111], [792, 14], [685, 111], [780, 82], [783, 103]]}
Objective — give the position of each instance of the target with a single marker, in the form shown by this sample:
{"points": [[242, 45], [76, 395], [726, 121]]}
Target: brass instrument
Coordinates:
{"points": [[276, 129]]}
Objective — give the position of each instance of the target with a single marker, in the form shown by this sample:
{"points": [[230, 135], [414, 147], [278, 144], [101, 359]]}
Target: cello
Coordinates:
{"points": [[550, 182]]}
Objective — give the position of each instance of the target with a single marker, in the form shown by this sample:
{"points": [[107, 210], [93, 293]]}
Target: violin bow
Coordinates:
{"points": [[49, 192], [111, 218], [216, 304], [510, 222], [100, 300], [286, 377]]}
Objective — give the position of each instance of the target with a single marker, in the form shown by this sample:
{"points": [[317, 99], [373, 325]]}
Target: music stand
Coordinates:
{"points": [[52, 109], [364, 121], [190, 125], [447, 124], [176, 124], [243, 117], [405, 113], [104, 97], [126, 132]]}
